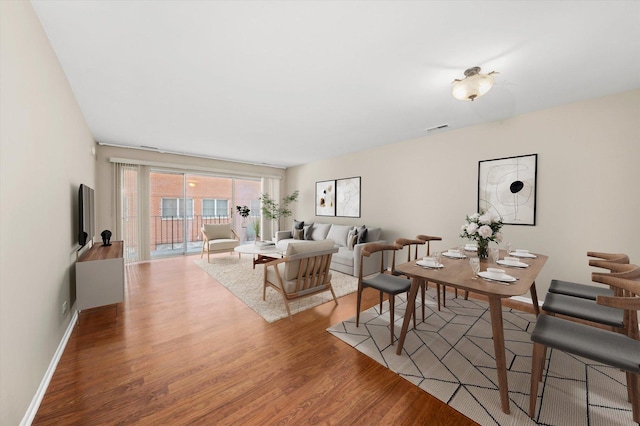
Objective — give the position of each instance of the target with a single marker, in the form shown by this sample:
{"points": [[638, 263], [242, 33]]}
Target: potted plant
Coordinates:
{"points": [[274, 211], [244, 212], [256, 228]]}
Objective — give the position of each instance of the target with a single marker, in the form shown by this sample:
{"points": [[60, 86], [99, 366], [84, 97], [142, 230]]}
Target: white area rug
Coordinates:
{"points": [[245, 283], [451, 357]]}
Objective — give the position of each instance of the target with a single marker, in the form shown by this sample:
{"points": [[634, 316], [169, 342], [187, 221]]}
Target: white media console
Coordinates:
{"points": [[100, 276]]}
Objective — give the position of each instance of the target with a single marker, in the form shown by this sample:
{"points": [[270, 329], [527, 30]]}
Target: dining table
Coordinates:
{"points": [[457, 273]]}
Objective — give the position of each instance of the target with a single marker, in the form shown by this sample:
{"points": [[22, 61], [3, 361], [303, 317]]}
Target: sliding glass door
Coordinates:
{"points": [[181, 203]]}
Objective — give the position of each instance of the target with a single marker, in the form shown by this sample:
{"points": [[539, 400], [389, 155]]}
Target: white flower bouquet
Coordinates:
{"points": [[482, 227]]}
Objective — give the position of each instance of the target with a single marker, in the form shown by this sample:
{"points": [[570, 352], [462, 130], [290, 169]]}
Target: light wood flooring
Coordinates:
{"points": [[182, 350]]}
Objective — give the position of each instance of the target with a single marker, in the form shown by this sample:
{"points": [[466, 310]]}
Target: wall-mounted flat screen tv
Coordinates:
{"points": [[87, 229]]}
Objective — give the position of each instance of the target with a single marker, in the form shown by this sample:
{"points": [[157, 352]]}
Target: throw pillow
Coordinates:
{"points": [[297, 225], [308, 229], [298, 234], [352, 239], [362, 234]]}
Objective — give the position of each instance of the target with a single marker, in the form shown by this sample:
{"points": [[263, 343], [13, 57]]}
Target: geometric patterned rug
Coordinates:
{"points": [[450, 355], [246, 283]]}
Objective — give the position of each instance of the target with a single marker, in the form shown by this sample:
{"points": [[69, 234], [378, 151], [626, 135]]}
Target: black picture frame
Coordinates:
{"points": [[508, 187], [348, 197]]}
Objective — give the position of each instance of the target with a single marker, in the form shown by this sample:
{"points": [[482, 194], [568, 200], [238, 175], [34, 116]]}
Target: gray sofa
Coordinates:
{"points": [[347, 259]]}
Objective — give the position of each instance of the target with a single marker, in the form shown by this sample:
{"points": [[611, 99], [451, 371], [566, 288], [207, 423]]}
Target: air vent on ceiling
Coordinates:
{"points": [[436, 128]]}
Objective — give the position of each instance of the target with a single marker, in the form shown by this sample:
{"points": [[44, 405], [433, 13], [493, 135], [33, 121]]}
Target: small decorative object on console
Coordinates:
{"points": [[106, 237], [482, 227]]}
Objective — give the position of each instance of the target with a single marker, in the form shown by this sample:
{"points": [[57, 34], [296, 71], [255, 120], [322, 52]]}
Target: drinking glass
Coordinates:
{"points": [[495, 254], [461, 249], [508, 246], [474, 262], [436, 258]]}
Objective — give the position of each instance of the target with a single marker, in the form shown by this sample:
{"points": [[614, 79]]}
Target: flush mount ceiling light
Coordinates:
{"points": [[473, 85]]}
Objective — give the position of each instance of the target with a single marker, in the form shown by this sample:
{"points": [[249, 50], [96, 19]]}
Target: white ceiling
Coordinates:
{"points": [[290, 82]]}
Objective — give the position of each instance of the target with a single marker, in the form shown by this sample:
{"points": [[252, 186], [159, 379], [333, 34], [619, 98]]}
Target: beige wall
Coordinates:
{"points": [[45, 154], [588, 182]]}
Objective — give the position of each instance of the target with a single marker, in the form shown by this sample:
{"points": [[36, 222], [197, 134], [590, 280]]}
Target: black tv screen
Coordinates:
{"points": [[87, 230]]}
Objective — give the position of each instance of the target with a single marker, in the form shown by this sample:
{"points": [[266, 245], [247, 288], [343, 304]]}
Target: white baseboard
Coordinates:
{"points": [[44, 384]]}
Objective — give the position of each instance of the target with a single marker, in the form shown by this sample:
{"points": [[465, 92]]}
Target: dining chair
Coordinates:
{"points": [[427, 239], [409, 243], [586, 309], [389, 284], [615, 349], [585, 291]]}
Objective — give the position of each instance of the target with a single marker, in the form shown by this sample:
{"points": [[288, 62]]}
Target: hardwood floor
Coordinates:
{"points": [[182, 349]]}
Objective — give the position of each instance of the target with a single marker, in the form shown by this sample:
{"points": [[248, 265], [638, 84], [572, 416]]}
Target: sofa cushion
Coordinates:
{"points": [[338, 233], [344, 256], [291, 268], [362, 234], [373, 234], [319, 231], [298, 234], [221, 244]]}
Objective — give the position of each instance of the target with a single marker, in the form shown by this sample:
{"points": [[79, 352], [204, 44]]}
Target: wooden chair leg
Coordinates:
{"points": [[466, 295], [633, 382], [358, 303], [444, 296], [423, 288], [438, 293], [333, 294], [392, 299], [537, 362], [381, 302]]}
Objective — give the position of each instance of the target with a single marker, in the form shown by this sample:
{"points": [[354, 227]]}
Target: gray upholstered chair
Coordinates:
{"points": [[584, 291], [581, 303], [384, 283], [302, 272], [614, 349], [218, 238]]}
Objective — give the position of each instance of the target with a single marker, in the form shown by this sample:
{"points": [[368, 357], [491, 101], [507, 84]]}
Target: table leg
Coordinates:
{"points": [[495, 308], [534, 299], [411, 306]]}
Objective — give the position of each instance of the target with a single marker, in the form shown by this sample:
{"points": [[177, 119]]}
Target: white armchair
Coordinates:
{"points": [[218, 238]]}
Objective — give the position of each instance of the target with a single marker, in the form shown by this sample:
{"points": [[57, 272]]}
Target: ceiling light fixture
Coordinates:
{"points": [[473, 85]]}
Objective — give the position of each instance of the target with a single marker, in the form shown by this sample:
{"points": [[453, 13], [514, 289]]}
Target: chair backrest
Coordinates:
{"points": [[217, 231], [406, 242], [606, 257], [370, 248], [427, 239], [297, 252]]}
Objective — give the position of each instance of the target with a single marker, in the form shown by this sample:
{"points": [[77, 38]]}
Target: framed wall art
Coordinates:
{"points": [[507, 187], [326, 198], [348, 197]]}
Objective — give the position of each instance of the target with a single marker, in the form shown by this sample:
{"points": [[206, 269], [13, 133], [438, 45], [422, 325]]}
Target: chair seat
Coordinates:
{"points": [[604, 346], [583, 309], [289, 285], [223, 244], [582, 291], [388, 283]]}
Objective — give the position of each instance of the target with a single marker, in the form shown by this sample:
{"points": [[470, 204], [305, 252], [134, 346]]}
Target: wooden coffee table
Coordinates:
{"points": [[260, 254]]}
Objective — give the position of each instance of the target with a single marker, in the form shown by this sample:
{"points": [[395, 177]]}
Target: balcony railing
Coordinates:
{"points": [[167, 232]]}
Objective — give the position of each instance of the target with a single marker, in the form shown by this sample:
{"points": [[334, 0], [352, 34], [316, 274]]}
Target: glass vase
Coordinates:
{"points": [[483, 249]]}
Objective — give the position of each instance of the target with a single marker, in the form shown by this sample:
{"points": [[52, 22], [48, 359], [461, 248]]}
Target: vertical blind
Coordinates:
{"points": [[128, 209]]}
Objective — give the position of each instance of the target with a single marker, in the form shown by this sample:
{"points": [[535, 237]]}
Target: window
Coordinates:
{"points": [[212, 207], [173, 208], [255, 208]]}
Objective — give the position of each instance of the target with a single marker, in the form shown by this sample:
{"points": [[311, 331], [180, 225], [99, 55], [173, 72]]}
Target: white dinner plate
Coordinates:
{"points": [[429, 264], [514, 264], [503, 278], [454, 255], [522, 254], [471, 248]]}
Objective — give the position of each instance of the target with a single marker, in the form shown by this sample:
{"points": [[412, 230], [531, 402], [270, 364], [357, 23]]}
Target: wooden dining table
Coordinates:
{"points": [[457, 273]]}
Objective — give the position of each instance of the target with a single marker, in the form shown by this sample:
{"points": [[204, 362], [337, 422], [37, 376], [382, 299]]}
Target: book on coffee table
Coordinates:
{"points": [[265, 244]]}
